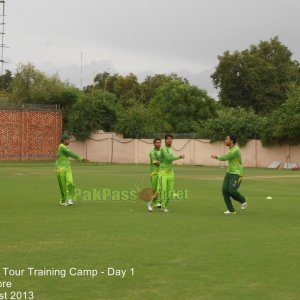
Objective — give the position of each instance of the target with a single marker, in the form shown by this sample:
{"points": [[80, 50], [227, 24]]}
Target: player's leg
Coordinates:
{"points": [[70, 187], [170, 189], [163, 192], [234, 184], [154, 184], [61, 177], [226, 193]]}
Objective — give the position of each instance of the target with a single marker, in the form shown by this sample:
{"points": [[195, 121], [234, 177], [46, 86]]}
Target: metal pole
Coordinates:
{"points": [[2, 34], [81, 69]]}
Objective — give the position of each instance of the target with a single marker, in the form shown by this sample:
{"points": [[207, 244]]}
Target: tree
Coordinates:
{"points": [[5, 85], [126, 88], [94, 110], [30, 85], [138, 121], [283, 126], [182, 106], [245, 123], [259, 77], [5, 81], [104, 81], [152, 83]]}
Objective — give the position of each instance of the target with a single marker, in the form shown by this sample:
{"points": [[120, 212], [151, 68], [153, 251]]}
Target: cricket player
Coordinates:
{"points": [[166, 173], [154, 162], [64, 172], [233, 176]]}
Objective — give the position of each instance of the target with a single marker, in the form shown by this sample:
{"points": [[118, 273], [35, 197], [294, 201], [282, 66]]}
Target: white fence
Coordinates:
{"points": [[113, 148]]}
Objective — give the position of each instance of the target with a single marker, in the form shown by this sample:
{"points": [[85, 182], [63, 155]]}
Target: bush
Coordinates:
{"points": [[245, 124]]}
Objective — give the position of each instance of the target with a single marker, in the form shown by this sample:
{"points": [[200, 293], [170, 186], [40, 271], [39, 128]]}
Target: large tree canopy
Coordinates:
{"points": [[138, 121], [151, 84], [94, 110], [30, 85], [182, 106], [126, 88], [259, 77]]}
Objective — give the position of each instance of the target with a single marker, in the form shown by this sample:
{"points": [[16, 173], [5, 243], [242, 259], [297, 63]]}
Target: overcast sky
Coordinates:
{"points": [[142, 36]]}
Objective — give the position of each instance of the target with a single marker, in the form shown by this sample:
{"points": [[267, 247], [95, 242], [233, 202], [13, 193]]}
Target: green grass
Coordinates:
{"points": [[194, 252]]}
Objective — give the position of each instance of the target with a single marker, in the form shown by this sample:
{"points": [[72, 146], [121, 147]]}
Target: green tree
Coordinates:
{"points": [[5, 81], [245, 123], [5, 85], [126, 88], [30, 85], [182, 106], [138, 121], [259, 77], [152, 83], [104, 81], [94, 110], [283, 125]]}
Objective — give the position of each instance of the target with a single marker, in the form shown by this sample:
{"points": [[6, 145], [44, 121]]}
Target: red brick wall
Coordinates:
{"points": [[29, 135]]}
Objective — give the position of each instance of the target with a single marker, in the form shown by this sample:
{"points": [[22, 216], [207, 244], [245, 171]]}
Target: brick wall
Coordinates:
{"points": [[29, 135]]}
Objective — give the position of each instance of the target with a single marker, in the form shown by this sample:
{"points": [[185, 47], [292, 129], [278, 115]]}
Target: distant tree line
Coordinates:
{"points": [[259, 97]]}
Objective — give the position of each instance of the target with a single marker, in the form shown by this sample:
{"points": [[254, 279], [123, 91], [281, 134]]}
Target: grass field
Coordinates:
{"points": [[193, 252]]}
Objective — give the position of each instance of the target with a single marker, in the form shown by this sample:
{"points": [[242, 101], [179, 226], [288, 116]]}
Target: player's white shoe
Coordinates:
{"points": [[228, 212], [165, 210], [150, 208], [70, 202], [244, 205], [158, 205]]}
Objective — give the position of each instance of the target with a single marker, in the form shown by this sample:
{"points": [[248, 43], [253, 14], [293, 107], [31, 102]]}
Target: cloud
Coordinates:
{"points": [[161, 36]]}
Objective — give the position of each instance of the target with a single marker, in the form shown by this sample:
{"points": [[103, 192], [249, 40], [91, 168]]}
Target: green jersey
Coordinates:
{"points": [[234, 158], [154, 157], [166, 159], [62, 163]]}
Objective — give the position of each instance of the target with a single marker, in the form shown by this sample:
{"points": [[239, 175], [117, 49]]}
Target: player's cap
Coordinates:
{"points": [[65, 136]]}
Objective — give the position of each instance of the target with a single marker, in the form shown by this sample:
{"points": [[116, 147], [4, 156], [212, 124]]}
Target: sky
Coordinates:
{"points": [[142, 36]]}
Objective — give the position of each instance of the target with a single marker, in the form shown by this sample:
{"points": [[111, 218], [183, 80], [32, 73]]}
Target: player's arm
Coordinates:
{"points": [[69, 153], [153, 159], [229, 155], [170, 157]]}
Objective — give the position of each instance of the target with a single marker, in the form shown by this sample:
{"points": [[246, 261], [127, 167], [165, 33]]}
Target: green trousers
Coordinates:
{"points": [[230, 187], [165, 188], [66, 185]]}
